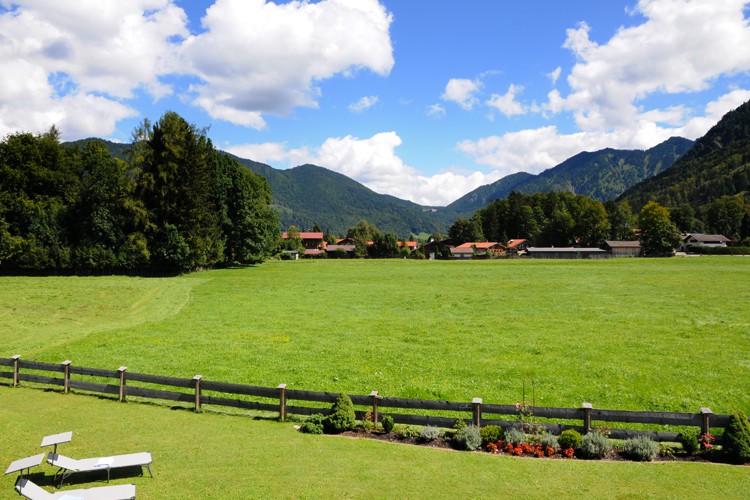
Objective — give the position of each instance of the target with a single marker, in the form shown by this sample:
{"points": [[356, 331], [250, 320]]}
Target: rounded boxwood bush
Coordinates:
{"points": [[491, 434], [640, 448], [468, 438], [387, 423], [570, 438], [689, 441], [342, 416], [736, 444], [595, 445]]}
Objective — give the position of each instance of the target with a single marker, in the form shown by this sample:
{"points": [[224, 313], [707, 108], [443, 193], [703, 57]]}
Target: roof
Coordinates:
{"points": [[462, 250], [565, 249], [409, 244], [314, 252], [481, 245], [515, 243], [346, 248], [623, 244], [306, 235], [704, 238]]}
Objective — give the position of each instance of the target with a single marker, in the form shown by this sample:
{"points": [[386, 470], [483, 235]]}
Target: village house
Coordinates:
{"points": [[473, 249], [703, 240]]}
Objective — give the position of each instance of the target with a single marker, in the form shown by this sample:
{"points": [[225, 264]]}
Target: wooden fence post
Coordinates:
{"points": [[282, 402], [122, 371], [477, 402], [375, 397], [706, 424], [66, 380], [587, 407], [16, 366], [197, 380]]}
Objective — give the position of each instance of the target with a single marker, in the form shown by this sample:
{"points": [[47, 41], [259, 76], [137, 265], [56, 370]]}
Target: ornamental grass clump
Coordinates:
{"points": [[467, 438], [640, 449], [342, 416], [549, 441], [515, 436], [736, 443], [429, 434], [595, 445]]}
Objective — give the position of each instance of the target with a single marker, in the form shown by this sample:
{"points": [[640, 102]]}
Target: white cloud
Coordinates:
{"points": [[683, 46], [92, 64], [373, 162], [436, 110], [555, 75], [363, 104], [463, 92], [674, 51], [535, 150], [261, 57], [506, 103]]}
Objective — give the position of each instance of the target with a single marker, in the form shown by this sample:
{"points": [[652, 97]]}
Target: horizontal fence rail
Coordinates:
{"points": [[199, 392]]}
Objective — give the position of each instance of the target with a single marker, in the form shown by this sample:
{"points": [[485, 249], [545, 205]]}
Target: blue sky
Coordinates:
{"points": [[422, 100]]}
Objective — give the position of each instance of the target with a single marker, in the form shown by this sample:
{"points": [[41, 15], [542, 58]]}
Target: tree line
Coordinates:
{"points": [[177, 204], [563, 219]]}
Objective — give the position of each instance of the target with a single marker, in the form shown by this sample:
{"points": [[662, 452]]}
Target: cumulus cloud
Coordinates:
{"points": [[506, 103], [681, 47], [61, 68], [259, 57], [535, 150], [463, 92], [554, 75], [375, 163], [673, 51], [363, 104]]}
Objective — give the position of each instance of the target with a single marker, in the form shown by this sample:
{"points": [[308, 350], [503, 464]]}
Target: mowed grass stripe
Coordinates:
{"points": [[647, 334]]}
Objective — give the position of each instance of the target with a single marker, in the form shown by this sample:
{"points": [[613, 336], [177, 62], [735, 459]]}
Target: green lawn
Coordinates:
{"points": [[665, 334], [219, 456]]}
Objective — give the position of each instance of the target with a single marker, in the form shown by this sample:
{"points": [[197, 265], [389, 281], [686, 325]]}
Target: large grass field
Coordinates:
{"points": [[671, 334]]}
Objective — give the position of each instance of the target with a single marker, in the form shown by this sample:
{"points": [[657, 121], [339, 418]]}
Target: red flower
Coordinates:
{"points": [[549, 451], [568, 452]]}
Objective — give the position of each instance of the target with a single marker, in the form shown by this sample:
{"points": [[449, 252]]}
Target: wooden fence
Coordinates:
{"points": [[199, 392]]}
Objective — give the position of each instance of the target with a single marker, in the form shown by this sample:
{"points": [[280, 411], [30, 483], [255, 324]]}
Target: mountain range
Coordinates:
{"points": [[677, 171]]}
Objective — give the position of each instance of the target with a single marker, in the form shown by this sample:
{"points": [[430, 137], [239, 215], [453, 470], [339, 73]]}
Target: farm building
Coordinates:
{"points": [[623, 248], [704, 240], [476, 248], [567, 253]]}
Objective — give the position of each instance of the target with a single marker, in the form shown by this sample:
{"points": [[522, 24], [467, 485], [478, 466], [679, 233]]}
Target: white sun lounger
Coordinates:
{"points": [[29, 490], [68, 466]]}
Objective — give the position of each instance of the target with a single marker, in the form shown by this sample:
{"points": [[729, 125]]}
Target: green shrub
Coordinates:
{"points": [[342, 416], [491, 434], [429, 433], [387, 423], [736, 444], [689, 441], [409, 432], [595, 445], [570, 438], [468, 438], [314, 424], [640, 448], [515, 436], [549, 440]]}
